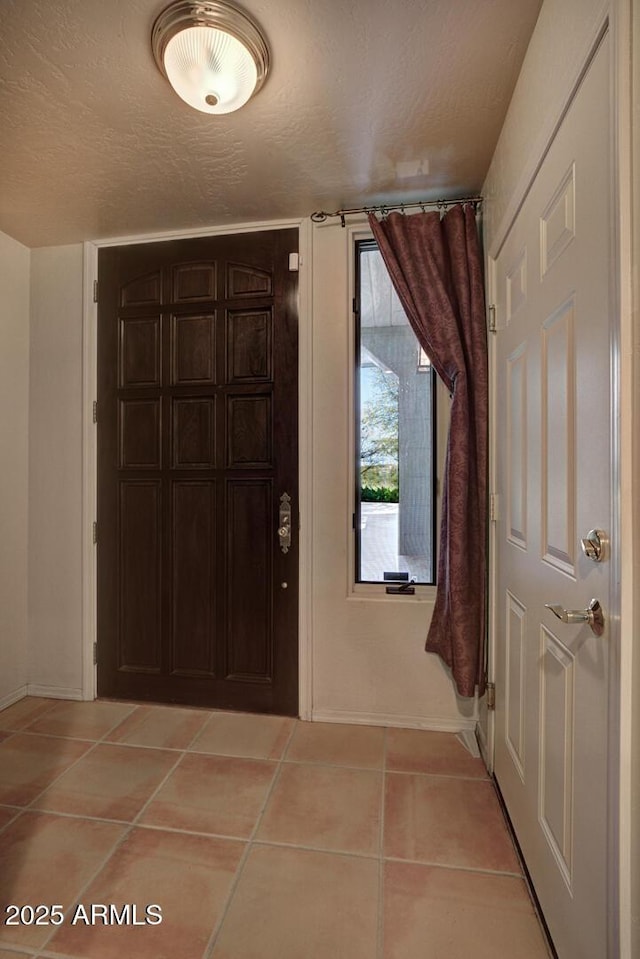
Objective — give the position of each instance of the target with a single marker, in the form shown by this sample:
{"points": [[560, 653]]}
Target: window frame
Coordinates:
{"points": [[362, 239]]}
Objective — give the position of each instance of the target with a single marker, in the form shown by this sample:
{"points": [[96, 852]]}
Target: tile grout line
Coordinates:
{"points": [[196, 735], [17, 811], [291, 762], [52, 703], [72, 739], [102, 739], [51, 954], [99, 739], [200, 752], [29, 806], [21, 950], [252, 841], [278, 844], [347, 853], [417, 772], [135, 822], [298, 762], [129, 827], [92, 748], [136, 819], [432, 864], [213, 938], [78, 815], [161, 748]]}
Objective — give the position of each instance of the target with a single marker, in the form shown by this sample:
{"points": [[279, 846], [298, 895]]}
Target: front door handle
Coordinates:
{"points": [[284, 523], [592, 615]]}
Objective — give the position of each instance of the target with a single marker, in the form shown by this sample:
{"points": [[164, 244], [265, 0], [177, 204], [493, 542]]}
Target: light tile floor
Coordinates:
{"points": [[259, 838]]}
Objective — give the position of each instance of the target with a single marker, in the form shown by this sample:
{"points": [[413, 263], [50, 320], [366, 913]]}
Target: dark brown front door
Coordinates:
{"points": [[197, 443]]}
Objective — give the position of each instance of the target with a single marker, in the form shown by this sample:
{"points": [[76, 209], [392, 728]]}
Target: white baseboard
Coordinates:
{"points": [[13, 697], [53, 692], [392, 719], [483, 746], [467, 737]]}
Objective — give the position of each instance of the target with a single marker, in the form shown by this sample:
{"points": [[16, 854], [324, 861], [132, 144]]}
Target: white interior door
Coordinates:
{"points": [[553, 366]]}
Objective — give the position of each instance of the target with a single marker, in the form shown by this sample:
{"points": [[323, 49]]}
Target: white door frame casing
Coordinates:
{"points": [[617, 18], [89, 440]]}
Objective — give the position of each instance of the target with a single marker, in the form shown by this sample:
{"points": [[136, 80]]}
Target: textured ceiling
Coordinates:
{"points": [[363, 97]]}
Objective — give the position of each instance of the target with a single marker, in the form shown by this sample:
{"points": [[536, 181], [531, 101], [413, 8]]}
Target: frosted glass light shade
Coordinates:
{"points": [[210, 70], [213, 55]]}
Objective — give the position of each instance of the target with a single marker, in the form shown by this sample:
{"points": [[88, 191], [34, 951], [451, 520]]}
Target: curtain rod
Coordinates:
{"points": [[321, 215]]}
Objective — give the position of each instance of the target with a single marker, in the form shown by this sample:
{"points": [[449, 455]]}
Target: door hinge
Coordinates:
{"points": [[95, 654], [95, 533], [95, 291], [95, 411], [491, 695], [493, 327], [494, 506]]}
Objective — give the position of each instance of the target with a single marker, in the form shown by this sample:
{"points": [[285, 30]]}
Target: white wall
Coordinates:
{"points": [[14, 404], [369, 663], [55, 472]]}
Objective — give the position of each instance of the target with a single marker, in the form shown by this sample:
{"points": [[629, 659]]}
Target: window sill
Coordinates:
{"points": [[376, 592]]}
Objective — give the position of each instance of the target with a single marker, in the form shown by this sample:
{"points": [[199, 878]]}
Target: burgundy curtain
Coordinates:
{"points": [[436, 268]]}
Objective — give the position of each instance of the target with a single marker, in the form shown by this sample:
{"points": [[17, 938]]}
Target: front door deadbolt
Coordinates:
{"points": [[594, 545]]}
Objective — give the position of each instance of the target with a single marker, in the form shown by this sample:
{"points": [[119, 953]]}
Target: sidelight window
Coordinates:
{"points": [[395, 435]]}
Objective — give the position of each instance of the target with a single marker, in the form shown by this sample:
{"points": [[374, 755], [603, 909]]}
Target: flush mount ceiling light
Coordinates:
{"points": [[212, 53]]}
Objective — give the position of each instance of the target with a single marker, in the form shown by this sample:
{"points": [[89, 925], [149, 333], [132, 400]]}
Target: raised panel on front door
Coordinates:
{"points": [[249, 346], [140, 565], [250, 531], [139, 434], [247, 281], [249, 432], [558, 440], [142, 290], [193, 433], [193, 282], [193, 599], [193, 350], [555, 797], [139, 356]]}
